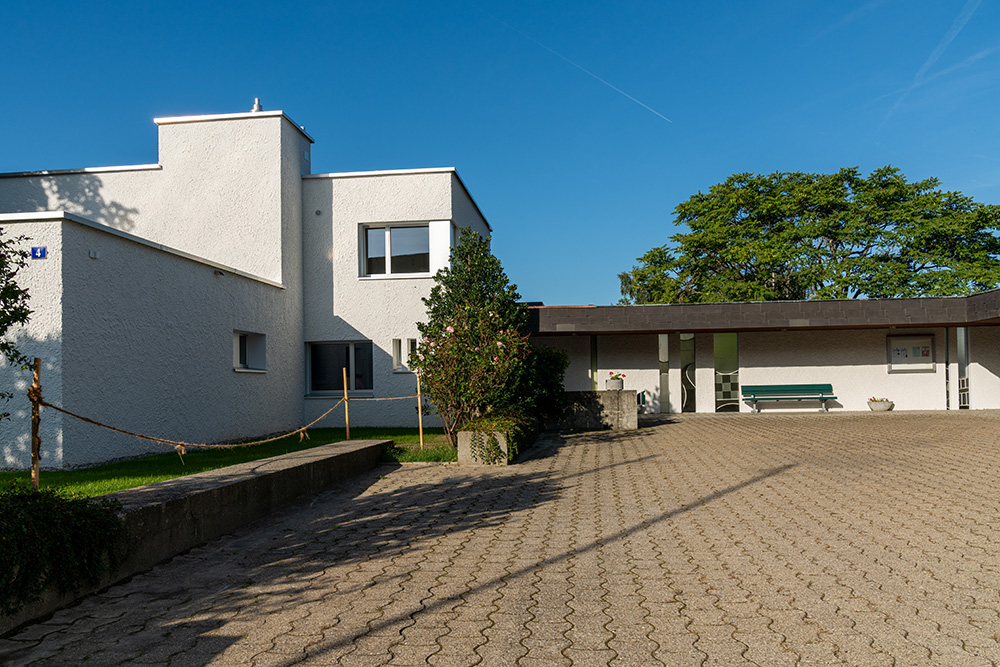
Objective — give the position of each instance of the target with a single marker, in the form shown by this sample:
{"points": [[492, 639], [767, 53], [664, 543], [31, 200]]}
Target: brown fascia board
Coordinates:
{"points": [[978, 309]]}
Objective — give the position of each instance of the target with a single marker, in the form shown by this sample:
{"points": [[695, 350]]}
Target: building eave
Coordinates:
{"points": [[65, 216], [976, 310], [173, 120]]}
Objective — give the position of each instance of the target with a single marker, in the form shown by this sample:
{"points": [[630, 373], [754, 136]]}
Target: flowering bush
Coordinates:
{"points": [[616, 376], [473, 359], [878, 400]]}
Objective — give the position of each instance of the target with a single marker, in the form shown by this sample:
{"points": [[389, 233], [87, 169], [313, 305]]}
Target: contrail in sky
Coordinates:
{"points": [[956, 27], [579, 67]]}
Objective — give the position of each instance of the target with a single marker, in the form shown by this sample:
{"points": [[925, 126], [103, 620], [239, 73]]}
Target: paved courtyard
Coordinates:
{"points": [[771, 539]]}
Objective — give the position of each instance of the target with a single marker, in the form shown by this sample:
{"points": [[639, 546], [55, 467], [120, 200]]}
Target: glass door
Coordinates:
{"points": [[688, 403], [727, 372]]}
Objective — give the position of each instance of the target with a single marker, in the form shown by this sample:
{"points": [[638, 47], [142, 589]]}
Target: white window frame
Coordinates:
{"points": [[351, 391], [387, 227], [400, 364], [249, 352]]}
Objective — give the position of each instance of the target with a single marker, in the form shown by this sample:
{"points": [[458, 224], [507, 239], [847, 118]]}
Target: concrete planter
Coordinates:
{"points": [[614, 384], [467, 452], [595, 410], [881, 406]]}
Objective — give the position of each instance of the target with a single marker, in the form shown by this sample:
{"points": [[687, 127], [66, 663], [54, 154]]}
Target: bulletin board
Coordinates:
{"points": [[910, 354]]}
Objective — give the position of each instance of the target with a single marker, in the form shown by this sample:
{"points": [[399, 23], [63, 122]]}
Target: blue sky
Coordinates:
{"points": [[555, 113]]}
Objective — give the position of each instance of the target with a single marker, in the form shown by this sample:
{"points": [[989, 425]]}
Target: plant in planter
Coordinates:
{"points": [[616, 381], [883, 404]]}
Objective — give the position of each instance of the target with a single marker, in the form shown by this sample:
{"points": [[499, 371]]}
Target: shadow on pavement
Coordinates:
{"points": [[437, 603]]}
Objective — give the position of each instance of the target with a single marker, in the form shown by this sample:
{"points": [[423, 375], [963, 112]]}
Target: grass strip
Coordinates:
{"points": [[121, 475]]}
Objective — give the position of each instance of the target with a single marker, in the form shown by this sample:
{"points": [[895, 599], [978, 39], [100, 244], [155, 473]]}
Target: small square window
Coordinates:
{"points": [[396, 250], [249, 351], [402, 355]]}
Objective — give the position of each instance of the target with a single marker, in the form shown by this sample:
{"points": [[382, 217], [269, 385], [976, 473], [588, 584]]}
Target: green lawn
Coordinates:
{"points": [[112, 477]]}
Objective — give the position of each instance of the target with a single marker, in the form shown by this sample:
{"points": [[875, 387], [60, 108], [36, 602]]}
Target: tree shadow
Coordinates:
{"points": [[402, 620], [78, 193], [371, 531]]}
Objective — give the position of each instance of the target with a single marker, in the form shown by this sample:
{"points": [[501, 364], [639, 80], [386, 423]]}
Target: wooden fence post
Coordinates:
{"points": [[347, 413], [35, 394], [420, 413]]}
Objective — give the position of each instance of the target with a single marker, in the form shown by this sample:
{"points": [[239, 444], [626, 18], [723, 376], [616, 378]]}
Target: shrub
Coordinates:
{"points": [[519, 431], [542, 383], [472, 351], [51, 540], [14, 309], [474, 359]]}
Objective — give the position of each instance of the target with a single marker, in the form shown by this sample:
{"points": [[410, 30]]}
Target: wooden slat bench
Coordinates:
{"points": [[787, 392]]}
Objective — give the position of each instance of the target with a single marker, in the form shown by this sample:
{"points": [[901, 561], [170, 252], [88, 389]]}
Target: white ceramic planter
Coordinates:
{"points": [[880, 406], [613, 384]]}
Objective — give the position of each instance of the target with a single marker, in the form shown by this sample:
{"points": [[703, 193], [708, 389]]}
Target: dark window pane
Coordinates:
{"points": [[327, 363], [362, 366], [374, 251], [243, 350], [410, 249]]}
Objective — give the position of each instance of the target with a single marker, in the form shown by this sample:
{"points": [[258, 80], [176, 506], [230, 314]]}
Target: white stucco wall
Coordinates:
{"points": [[634, 355], [340, 305], [41, 337], [637, 357], [577, 348], [853, 361], [984, 369], [147, 346], [218, 191]]}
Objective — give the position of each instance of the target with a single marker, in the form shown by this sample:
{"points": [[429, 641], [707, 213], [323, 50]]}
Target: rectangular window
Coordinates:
{"points": [[397, 355], [401, 355], [249, 351], [375, 251], [396, 250], [327, 362]]}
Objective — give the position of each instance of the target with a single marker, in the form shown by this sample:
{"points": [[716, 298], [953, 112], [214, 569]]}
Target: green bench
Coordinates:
{"points": [[755, 393]]}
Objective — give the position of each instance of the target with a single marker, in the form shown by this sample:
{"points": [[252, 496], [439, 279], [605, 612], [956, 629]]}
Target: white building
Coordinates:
{"points": [[923, 354], [218, 293]]}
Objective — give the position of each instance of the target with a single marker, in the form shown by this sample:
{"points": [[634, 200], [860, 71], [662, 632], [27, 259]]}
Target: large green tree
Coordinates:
{"points": [[14, 309], [765, 237]]}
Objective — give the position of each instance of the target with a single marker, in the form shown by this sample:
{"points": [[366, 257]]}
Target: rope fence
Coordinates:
{"points": [[37, 401]]}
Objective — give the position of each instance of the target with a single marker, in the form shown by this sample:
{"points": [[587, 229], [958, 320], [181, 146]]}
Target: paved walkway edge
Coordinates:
{"points": [[167, 518]]}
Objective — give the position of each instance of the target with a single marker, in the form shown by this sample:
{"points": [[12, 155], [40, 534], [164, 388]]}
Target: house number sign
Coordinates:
{"points": [[40, 252]]}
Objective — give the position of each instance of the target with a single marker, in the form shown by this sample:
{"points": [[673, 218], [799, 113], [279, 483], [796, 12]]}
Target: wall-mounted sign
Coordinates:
{"points": [[910, 354], [40, 252]]}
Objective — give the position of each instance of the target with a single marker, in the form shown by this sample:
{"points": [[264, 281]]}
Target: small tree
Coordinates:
{"points": [[14, 309], [473, 349]]}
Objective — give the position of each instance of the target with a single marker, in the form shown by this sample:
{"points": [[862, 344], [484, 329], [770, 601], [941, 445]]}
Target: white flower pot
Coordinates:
{"points": [[613, 384], [880, 406]]}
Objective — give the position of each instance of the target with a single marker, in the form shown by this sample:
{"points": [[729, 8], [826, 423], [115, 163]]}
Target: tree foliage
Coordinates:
{"points": [[473, 357], [780, 236], [14, 309]]}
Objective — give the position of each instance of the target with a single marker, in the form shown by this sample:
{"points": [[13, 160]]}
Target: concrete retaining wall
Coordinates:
{"points": [[595, 410], [170, 517]]}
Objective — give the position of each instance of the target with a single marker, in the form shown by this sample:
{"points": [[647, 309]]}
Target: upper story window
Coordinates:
{"points": [[396, 250]]}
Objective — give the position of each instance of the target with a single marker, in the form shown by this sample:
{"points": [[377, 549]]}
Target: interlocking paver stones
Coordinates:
{"points": [[771, 539]]}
